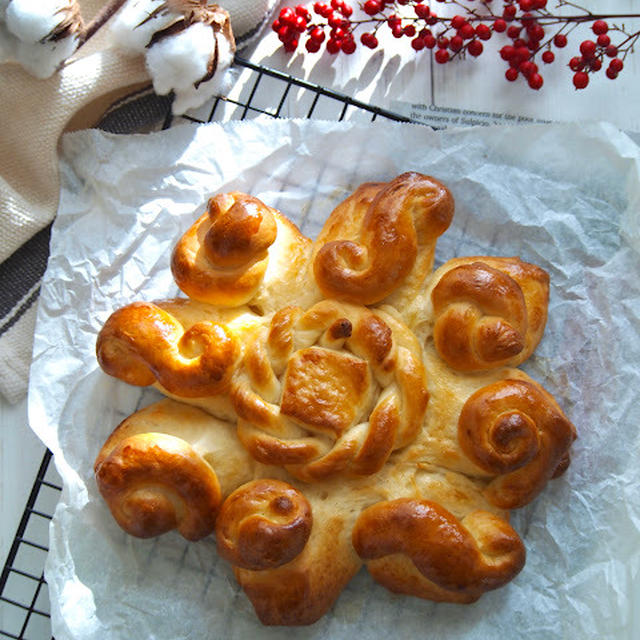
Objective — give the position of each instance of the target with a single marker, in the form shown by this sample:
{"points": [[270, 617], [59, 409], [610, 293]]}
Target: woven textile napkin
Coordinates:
{"points": [[33, 115]]}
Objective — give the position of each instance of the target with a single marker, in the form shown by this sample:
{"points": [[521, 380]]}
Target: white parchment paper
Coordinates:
{"points": [[564, 197]]}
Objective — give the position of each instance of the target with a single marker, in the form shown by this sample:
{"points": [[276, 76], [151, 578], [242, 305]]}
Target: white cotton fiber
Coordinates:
{"points": [[225, 52], [177, 62], [24, 32], [129, 29], [42, 60], [191, 98], [33, 20]]}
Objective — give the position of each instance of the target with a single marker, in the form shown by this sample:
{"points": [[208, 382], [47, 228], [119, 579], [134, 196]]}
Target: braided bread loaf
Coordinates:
{"points": [[335, 388], [335, 404]]}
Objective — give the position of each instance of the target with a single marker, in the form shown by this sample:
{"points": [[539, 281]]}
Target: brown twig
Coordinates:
{"points": [[99, 20]]}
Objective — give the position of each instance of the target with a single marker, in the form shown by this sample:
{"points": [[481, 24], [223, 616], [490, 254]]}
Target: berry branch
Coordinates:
{"points": [[533, 32]]}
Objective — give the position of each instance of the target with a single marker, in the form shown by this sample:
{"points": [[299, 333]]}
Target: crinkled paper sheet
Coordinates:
{"points": [[564, 197]]}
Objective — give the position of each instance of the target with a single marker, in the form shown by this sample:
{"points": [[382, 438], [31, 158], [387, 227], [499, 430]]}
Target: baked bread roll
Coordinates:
{"points": [[417, 547], [337, 405], [143, 343], [242, 251], [168, 467], [500, 427], [188, 350], [487, 312], [302, 590], [379, 243], [515, 431], [263, 524]]}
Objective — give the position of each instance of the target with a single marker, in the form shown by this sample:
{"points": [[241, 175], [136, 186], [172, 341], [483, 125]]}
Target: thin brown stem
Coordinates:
{"points": [[99, 20], [554, 19]]}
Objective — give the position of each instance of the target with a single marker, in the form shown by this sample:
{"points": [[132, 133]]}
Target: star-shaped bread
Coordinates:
{"points": [[336, 403]]}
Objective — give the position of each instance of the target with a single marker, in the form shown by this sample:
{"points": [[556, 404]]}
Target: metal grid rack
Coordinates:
{"points": [[23, 590]]}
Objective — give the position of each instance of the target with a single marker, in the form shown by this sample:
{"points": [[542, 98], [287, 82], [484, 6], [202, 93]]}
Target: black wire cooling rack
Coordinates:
{"points": [[24, 596]]}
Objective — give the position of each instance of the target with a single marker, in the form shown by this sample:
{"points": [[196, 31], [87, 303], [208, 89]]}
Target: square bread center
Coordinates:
{"points": [[327, 391]]}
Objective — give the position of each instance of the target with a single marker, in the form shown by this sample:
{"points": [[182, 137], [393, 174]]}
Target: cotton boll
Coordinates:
{"points": [[128, 26], [42, 60], [32, 21], [192, 97], [179, 61], [225, 51], [27, 40]]}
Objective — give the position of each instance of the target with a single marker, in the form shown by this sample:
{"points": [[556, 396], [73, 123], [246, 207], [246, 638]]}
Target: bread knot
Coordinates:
{"points": [[514, 430], [143, 344], [263, 524], [377, 237], [488, 312], [335, 388], [155, 482], [418, 547], [223, 257]]}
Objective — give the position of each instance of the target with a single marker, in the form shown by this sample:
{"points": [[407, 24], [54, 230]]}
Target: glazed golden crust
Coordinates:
{"points": [[212, 439], [154, 482], [222, 258], [300, 592], [451, 560], [382, 235], [263, 524], [141, 344], [515, 430], [238, 252], [396, 436], [168, 466], [488, 312], [341, 391]]}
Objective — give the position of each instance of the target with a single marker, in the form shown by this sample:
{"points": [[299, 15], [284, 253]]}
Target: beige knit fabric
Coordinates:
{"points": [[33, 115]]}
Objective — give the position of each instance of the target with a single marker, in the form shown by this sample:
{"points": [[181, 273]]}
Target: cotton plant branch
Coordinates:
{"points": [[188, 45], [108, 10]]}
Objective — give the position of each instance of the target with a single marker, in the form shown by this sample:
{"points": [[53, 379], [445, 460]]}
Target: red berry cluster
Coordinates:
{"points": [[593, 55], [292, 22], [534, 32], [527, 35]]}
